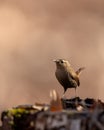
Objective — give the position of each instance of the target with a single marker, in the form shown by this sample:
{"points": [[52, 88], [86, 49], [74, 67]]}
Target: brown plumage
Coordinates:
{"points": [[66, 75]]}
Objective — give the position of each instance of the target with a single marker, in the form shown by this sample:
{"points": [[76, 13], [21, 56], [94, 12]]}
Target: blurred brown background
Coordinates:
{"points": [[34, 32]]}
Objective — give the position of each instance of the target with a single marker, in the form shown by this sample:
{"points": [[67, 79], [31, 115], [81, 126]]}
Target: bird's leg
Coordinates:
{"points": [[75, 92], [76, 101]]}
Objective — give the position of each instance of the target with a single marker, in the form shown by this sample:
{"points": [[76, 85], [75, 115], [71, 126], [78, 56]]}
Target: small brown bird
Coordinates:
{"points": [[66, 75]]}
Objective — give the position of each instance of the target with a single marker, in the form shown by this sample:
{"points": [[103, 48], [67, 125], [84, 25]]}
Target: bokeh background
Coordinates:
{"points": [[34, 32]]}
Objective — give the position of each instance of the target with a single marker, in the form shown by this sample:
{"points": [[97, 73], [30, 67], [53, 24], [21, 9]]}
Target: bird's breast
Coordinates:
{"points": [[65, 79], [61, 74]]}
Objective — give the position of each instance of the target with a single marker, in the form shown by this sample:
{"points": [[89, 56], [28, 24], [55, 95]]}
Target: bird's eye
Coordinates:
{"points": [[61, 61]]}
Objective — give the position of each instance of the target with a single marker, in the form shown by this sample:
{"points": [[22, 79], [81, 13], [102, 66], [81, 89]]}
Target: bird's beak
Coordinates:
{"points": [[55, 60]]}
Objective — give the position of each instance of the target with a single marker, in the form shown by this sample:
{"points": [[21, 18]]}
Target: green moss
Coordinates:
{"points": [[18, 117], [17, 112]]}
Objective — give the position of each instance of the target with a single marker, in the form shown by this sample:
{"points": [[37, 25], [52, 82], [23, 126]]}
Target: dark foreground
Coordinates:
{"points": [[75, 114]]}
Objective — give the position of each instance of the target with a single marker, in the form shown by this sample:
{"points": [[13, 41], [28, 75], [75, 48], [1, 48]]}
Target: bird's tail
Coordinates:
{"points": [[78, 72]]}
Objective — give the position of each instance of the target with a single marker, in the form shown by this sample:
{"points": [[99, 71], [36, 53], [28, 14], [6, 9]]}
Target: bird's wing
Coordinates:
{"points": [[74, 77], [77, 80]]}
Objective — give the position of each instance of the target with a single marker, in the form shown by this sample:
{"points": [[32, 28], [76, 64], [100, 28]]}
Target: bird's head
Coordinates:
{"points": [[61, 63]]}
